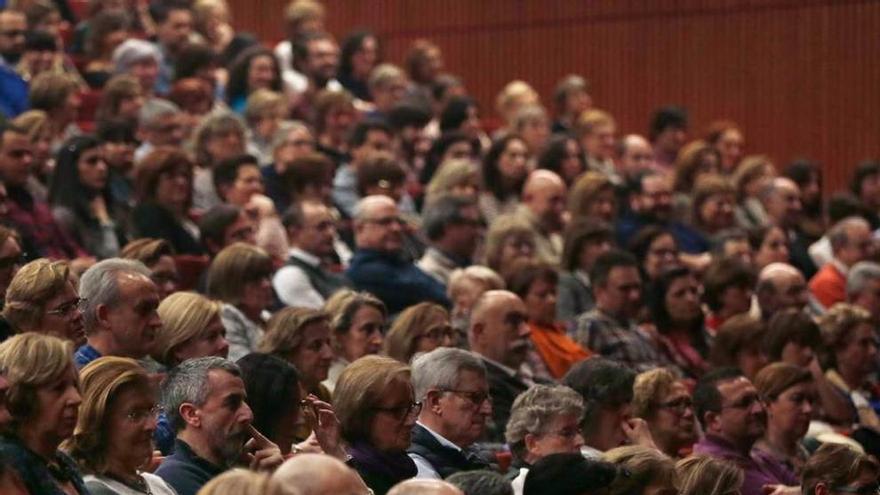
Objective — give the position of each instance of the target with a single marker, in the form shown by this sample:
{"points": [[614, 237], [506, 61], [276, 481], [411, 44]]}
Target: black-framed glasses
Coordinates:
{"points": [[402, 412], [67, 308], [679, 405], [745, 403], [475, 397]]}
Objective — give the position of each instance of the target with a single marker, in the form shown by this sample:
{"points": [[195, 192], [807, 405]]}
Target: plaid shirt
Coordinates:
{"points": [[621, 341], [34, 221]]}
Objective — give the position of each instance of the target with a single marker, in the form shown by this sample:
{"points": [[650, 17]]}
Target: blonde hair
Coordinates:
{"points": [[30, 289], [837, 325], [452, 173], [705, 475], [343, 305], [237, 481], [146, 250], [749, 169], [102, 380], [32, 360], [383, 74], [235, 266], [262, 103], [646, 466], [509, 98], [185, 316], [588, 121], [400, 342], [505, 227], [360, 389], [299, 11], [583, 192], [33, 123], [650, 386], [480, 274], [284, 331]]}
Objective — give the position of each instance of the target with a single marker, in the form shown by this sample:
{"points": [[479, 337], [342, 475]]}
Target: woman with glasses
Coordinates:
{"points": [[113, 438], [790, 398], [657, 249], [507, 240], [375, 404], [81, 200], [544, 420], [42, 298], [43, 402], [418, 329], [664, 402]]}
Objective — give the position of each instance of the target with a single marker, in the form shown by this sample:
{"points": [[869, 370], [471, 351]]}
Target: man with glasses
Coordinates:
{"points": [[455, 229], [851, 242], [305, 281], [119, 311], [452, 386], [733, 418], [159, 124], [378, 267]]}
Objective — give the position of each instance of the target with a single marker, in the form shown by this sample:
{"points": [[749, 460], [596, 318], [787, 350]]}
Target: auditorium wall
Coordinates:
{"points": [[800, 76]]}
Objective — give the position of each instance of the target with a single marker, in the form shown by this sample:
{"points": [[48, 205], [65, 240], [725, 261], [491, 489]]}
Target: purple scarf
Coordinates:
{"points": [[395, 465]]}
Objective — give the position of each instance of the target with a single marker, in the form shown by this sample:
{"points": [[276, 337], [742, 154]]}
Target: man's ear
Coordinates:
{"points": [[531, 442], [710, 418], [102, 313], [190, 414], [432, 401]]}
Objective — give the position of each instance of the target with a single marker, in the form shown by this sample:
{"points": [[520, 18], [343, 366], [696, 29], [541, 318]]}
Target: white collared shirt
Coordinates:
{"points": [[425, 469]]}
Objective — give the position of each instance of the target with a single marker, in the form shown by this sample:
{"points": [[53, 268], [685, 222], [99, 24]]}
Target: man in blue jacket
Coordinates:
{"points": [[377, 265]]}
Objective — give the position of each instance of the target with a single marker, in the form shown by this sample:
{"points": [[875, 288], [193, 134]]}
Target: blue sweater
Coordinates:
{"points": [[396, 282]]}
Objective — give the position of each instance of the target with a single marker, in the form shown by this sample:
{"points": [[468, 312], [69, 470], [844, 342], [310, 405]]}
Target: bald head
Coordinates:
{"points": [[782, 200], [781, 286], [424, 487], [378, 225], [498, 328], [544, 194], [851, 240], [636, 155], [315, 474]]}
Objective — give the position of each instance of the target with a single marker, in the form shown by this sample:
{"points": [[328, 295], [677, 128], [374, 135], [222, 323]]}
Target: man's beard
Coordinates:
{"points": [[229, 446]]}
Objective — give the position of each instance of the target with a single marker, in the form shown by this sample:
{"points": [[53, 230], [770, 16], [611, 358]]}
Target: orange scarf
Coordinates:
{"points": [[556, 348]]}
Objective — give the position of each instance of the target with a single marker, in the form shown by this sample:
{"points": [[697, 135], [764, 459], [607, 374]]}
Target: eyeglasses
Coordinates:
{"points": [[67, 308], [402, 412], [475, 397], [679, 405], [745, 403], [141, 415], [438, 333], [871, 489], [386, 221], [567, 433]]}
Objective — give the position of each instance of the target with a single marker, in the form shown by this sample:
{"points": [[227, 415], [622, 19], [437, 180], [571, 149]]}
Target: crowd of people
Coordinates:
{"points": [[235, 268]]}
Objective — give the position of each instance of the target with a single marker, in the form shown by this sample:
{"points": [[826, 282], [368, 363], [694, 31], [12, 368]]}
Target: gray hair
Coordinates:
{"points": [[481, 482], [534, 410], [383, 74], [859, 275], [154, 109], [288, 127], [188, 383], [132, 51], [838, 234], [99, 285], [363, 207], [441, 369], [444, 210]]}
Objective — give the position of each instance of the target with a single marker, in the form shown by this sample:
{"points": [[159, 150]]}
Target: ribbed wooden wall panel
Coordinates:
{"points": [[800, 76]]}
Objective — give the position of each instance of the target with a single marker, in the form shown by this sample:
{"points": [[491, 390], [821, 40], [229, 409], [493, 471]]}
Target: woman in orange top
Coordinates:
{"points": [[556, 352]]}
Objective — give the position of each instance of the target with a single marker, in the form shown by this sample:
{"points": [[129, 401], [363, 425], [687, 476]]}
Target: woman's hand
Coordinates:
{"points": [[99, 209], [260, 453], [636, 430], [324, 425]]}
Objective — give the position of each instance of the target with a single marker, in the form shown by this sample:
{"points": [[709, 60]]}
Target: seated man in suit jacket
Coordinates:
{"points": [[456, 405], [500, 336]]}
